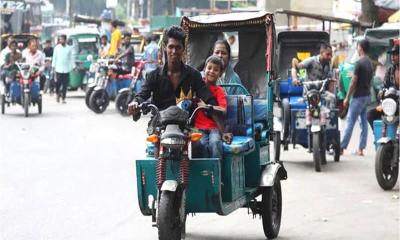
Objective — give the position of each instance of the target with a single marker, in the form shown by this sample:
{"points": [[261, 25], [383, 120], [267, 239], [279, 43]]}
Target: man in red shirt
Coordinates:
{"points": [[210, 126]]}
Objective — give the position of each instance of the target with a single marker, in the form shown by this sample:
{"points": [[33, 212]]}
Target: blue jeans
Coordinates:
{"points": [[210, 144], [357, 108]]}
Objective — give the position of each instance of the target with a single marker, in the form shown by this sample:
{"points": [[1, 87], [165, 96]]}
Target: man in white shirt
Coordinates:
{"points": [[33, 56]]}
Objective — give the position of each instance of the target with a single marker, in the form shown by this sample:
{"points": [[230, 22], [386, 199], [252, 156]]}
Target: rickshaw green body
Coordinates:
{"points": [[85, 42], [224, 185], [379, 43]]}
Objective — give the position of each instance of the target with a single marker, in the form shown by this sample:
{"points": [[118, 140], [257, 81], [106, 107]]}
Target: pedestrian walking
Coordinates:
{"points": [[63, 64], [359, 92]]}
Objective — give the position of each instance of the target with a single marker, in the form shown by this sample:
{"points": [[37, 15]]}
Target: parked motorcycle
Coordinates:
{"points": [[125, 95], [25, 90], [387, 133], [107, 87], [98, 70]]}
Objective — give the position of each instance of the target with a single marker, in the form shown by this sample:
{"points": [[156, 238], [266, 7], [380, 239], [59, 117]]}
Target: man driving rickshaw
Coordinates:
{"points": [[171, 182]]}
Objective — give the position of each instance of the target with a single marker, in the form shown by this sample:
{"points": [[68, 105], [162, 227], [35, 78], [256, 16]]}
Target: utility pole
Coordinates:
{"points": [[68, 7], [128, 8], [149, 8]]}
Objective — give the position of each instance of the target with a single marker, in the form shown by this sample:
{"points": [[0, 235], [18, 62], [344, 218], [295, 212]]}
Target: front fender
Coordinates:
{"points": [[385, 140], [124, 90], [270, 172], [169, 185], [98, 88]]}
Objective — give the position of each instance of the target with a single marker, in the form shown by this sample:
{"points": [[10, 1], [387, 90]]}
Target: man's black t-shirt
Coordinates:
{"points": [[48, 52], [364, 71]]}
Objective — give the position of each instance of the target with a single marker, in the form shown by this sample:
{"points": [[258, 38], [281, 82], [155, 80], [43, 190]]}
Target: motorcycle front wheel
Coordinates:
{"points": [[386, 174], [99, 101], [121, 102], [316, 146], [26, 104], [169, 224]]}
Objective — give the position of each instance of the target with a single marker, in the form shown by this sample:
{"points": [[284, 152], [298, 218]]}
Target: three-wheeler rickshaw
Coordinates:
{"points": [[303, 117], [85, 43], [171, 183]]}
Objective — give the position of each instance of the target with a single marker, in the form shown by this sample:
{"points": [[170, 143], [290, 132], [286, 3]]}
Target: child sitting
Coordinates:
{"points": [[211, 126]]}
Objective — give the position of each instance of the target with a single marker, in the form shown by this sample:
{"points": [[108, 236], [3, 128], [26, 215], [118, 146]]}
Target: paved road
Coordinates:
{"points": [[69, 174]]}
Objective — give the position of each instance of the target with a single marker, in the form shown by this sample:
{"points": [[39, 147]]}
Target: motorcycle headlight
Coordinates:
{"points": [[389, 106], [173, 142]]}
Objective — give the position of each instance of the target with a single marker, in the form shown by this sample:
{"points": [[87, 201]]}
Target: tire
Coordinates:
{"points": [[277, 146], [168, 220], [286, 119], [316, 151], [323, 148], [272, 209], [385, 174], [336, 149], [89, 92], [121, 102], [39, 103], [99, 101], [3, 104], [26, 104]]}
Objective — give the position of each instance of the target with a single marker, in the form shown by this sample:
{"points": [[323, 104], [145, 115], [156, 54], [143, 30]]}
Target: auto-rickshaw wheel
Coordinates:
{"points": [[286, 119], [317, 143], [39, 103], [272, 209], [168, 220], [277, 145], [3, 104]]}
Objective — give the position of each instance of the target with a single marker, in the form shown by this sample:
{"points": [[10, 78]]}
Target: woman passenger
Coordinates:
{"points": [[222, 49]]}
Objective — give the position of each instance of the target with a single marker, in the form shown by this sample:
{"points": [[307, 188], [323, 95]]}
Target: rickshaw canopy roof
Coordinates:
{"points": [[380, 36], [255, 41], [234, 18]]}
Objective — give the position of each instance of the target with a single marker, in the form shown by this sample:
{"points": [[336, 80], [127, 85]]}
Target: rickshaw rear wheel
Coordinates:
{"points": [[316, 151], [168, 220], [286, 119], [272, 209], [386, 175], [39, 103], [277, 145], [3, 104]]}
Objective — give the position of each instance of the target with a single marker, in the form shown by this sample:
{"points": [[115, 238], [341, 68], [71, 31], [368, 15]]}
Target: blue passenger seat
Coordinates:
{"points": [[239, 121]]}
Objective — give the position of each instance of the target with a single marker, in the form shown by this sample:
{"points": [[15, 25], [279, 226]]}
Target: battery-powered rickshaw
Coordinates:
{"points": [[303, 117], [171, 183]]}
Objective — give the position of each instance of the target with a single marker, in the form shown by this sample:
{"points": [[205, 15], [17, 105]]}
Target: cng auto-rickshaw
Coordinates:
{"points": [[85, 42], [171, 183]]}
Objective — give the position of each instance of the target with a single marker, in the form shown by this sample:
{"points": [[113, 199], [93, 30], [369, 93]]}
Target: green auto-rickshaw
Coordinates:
{"points": [[85, 41]]}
